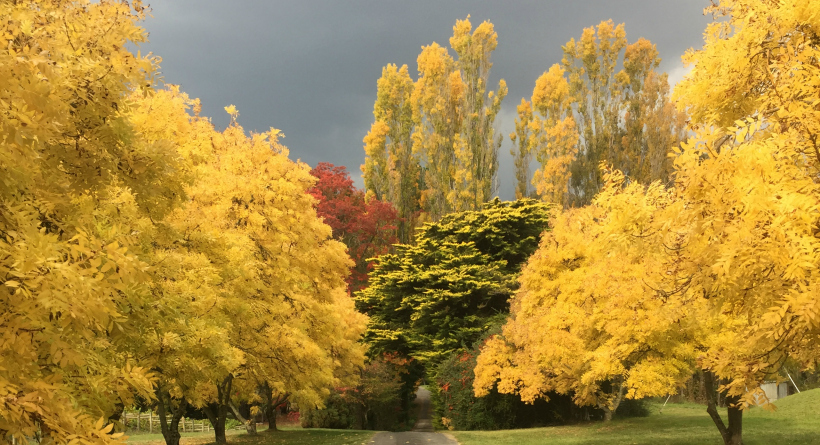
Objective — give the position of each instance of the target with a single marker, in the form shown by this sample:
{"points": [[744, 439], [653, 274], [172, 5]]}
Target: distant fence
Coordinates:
{"points": [[149, 422]]}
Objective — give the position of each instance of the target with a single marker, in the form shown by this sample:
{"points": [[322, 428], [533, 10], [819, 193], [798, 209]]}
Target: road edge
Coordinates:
{"points": [[451, 437]]}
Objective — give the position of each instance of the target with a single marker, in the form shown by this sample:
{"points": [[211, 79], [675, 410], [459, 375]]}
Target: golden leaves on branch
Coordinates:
{"points": [[582, 112], [136, 242], [717, 271], [433, 147]]}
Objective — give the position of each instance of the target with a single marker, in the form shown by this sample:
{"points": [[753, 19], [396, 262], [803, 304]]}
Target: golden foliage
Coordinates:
{"points": [[584, 112], [250, 266], [433, 147], [718, 271], [76, 185], [749, 185], [586, 321], [142, 252]]}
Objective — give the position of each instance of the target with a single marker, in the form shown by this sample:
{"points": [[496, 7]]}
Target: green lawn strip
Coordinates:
{"points": [[187, 438], [286, 435], [796, 421]]}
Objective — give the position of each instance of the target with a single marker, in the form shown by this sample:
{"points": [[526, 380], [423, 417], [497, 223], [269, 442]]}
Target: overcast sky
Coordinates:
{"points": [[309, 68]]}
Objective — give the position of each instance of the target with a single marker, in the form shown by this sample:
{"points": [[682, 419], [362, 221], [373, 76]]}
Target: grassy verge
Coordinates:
{"points": [[287, 436], [796, 421]]}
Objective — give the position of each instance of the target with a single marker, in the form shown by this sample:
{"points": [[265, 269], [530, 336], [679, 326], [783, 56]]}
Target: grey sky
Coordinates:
{"points": [[309, 68]]}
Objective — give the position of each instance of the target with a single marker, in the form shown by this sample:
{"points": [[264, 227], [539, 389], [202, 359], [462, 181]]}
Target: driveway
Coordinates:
{"points": [[422, 433]]}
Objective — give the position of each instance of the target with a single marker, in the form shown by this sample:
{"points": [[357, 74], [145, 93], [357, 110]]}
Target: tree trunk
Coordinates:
{"points": [[250, 424], [217, 420], [733, 435], [735, 416], [218, 412], [271, 404], [119, 408], [609, 408], [270, 413], [170, 431]]}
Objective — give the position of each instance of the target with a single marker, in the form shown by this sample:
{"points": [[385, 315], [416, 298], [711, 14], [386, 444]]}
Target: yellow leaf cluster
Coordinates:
{"points": [[718, 271], [433, 147], [584, 112], [142, 252], [586, 320]]}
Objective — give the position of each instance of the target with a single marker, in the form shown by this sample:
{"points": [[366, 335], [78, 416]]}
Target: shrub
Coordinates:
{"points": [[457, 408], [632, 408], [454, 403], [379, 402], [232, 423], [338, 413]]}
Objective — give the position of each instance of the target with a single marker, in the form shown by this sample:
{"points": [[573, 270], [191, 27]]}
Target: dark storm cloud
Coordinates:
{"points": [[310, 68]]}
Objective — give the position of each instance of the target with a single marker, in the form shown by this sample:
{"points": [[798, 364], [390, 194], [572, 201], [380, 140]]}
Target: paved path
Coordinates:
{"points": [[422, 433]]}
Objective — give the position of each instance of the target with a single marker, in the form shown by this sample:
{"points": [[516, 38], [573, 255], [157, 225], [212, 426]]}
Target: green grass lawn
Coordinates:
{"points": [[287, 436], [187, 438], [796, 421]]}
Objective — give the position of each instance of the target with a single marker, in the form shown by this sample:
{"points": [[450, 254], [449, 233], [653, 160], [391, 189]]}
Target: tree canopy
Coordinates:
{"points": [[584, 111], [433, 146], [441, 294], [77, 183], [586, 321], [734, 242], [143, 253]]}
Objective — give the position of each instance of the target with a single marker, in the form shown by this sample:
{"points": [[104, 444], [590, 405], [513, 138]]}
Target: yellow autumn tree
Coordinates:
{"points": [[250, 284], [282, 285], [77, 185], [585, 111], [182, 333], [749, 194], [454, 116], [590, 318], [142, 252], [391, 171], [433, 146], [736, 243], [521, 150], [546, 129]]}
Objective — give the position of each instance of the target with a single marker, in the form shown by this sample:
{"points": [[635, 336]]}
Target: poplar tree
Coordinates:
{"points": [[391, 171], [584, 112], [546, 130], [433, 146]]}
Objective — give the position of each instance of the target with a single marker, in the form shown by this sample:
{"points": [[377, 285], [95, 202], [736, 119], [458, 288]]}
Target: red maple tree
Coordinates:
{"points": [[366, 226]]}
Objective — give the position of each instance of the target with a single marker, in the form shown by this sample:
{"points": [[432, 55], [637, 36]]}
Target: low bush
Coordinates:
{"points": [[455, 405], [457, 408], [379, 402], [338, 413], [632, 408]]}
